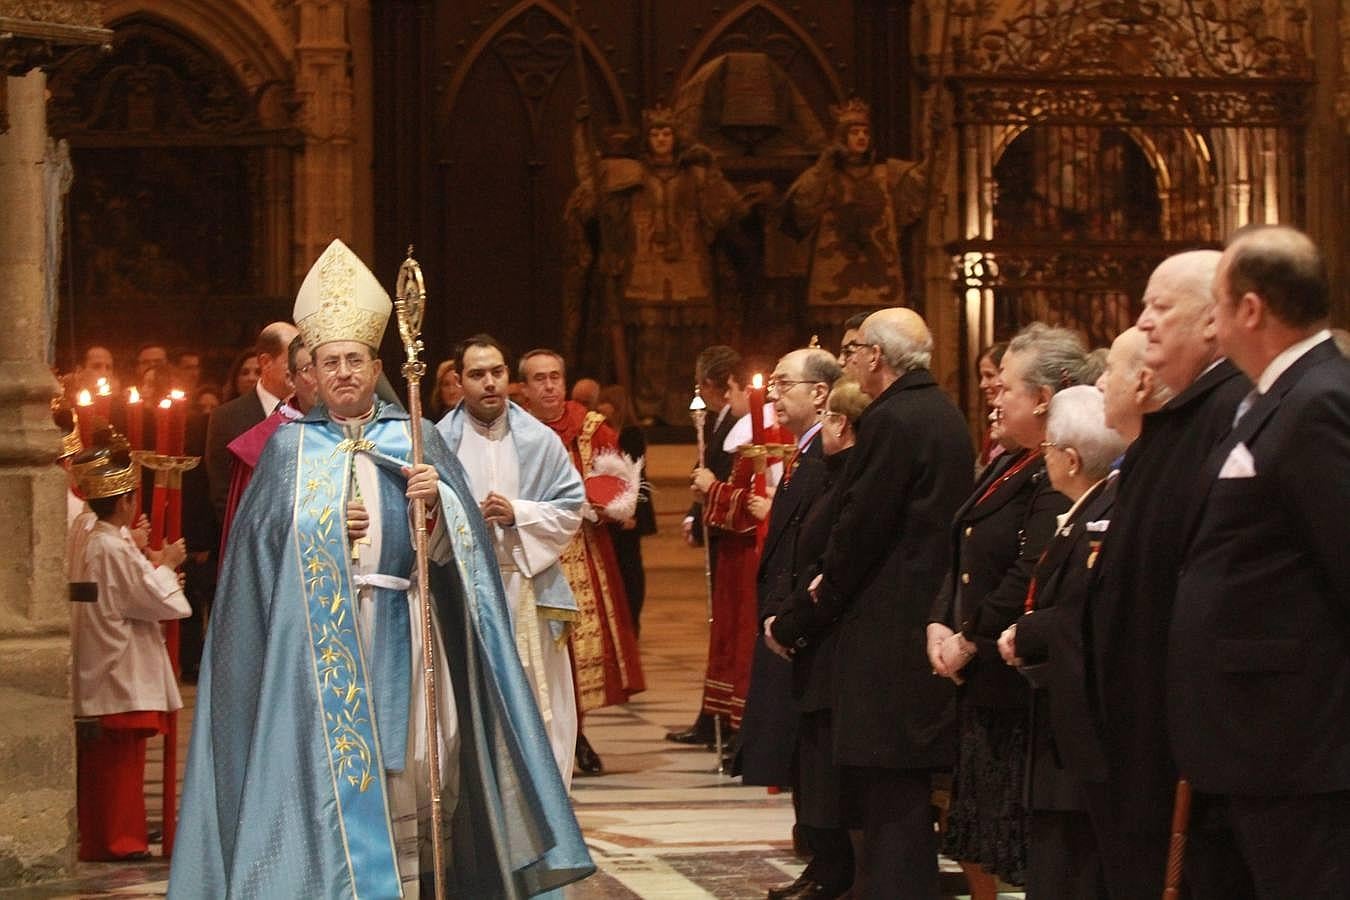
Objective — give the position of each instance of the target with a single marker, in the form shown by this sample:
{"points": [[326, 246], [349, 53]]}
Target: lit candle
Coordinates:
{"points": [[757, 410], [103, 400], [162, 413], [178, 421], [135, 421], [84, 414]]}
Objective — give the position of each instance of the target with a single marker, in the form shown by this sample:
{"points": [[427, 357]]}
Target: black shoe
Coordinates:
{"points": [[701, 732], [805, 887], [588, 761]]}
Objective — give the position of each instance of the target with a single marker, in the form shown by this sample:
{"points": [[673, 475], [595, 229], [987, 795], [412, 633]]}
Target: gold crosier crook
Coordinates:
{"points": [[409, 304]]}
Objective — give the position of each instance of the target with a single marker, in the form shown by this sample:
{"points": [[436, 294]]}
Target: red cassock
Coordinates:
{"points": [[735, 625], [605, 657], [110, 783]]}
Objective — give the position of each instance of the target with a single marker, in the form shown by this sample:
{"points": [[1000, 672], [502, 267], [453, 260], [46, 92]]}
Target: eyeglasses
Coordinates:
{"points": [[780, 385], [847, 350], [827, 414], [1046, 445], [303, 370], [356, 364]]}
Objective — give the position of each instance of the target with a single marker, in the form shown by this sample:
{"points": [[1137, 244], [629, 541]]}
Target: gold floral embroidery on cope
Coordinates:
{"points": [[334, 637]]}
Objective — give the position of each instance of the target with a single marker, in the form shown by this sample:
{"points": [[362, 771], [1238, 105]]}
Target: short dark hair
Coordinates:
{"points": [[478, 340], [539, 351], [715, 363], [176, 355], [994, 352], [146, 346], [1283, 267], [854, 322], [293, 350], [104, 507]]}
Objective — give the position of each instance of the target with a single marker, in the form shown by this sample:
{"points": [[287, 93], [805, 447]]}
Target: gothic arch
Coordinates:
{"points": [[486, 40], [258, 50], [701, 50]]}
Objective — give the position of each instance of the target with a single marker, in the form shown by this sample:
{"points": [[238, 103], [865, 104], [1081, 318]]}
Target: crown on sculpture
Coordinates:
{"points": [[340, 300], [658, 116], [853, 111]]}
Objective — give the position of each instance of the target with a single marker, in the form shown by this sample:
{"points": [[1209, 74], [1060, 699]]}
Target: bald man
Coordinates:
{"points": [[1127, 636], [1129, 387], [586, 391], [893, 722], [232, 419]]}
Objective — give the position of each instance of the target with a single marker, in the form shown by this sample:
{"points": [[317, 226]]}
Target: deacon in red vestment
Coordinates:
{"points": [[605, 657], [738, 511]]}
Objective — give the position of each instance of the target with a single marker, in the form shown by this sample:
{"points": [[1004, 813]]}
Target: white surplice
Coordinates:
{"points": [[540, 534], [120, 661]]}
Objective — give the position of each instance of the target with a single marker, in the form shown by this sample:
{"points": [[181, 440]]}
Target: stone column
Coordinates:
{"points": [[37, 779], [324, 195]]}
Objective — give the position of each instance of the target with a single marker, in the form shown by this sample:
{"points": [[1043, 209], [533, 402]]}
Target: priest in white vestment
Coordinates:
{"points": [[531, 497]]}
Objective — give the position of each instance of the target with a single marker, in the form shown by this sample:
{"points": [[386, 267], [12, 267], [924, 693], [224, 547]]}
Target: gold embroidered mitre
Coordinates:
{"points": [[340, 300], [854, 111]]}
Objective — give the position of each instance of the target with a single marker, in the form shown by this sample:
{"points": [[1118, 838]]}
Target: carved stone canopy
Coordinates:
{"points": [[38, 33]]}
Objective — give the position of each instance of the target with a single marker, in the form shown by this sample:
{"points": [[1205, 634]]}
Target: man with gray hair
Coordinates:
{"points": [[1131, 809], [886, 558]]}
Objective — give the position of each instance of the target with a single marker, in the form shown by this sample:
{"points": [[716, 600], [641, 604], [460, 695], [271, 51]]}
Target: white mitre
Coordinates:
{"points": [[340, 300]]}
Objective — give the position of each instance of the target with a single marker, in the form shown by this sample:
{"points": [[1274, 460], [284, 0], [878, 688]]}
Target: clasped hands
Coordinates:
{"points": [[702, 481], [948, 651], [423, 483]]}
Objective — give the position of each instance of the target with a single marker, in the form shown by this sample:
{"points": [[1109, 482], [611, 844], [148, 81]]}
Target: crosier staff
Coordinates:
{"points": [[409, 305]]}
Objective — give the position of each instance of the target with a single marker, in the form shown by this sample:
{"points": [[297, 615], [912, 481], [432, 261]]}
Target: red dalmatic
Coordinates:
{"points": [[604, 649], [735, 625]]}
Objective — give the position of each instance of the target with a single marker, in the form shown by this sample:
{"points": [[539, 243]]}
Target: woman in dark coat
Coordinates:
{"points": [[818, 791], [997, 536]]}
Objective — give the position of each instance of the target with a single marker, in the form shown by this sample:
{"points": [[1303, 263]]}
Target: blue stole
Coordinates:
{"points": [[342, 678]]}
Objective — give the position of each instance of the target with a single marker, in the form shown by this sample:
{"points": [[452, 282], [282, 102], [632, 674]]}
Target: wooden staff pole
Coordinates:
{"points": [[409, 305]]}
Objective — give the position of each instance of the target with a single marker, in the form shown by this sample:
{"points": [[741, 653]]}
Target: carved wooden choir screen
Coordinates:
{"points": [[1096, 137]]}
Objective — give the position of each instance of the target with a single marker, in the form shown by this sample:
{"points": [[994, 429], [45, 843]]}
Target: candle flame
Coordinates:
{"points": [[133, 396], [104, 389], [83, 399], [177, 395], [757, 382], [166, 403]]}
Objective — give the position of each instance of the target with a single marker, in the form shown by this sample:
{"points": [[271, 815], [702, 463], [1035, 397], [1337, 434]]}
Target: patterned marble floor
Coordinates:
{"points": [[660, 823]]}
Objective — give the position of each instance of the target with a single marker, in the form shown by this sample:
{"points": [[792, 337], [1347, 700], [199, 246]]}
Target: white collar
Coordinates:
{"points": [[493, 431], [808, 435], [269, 402], [1280, 364]]}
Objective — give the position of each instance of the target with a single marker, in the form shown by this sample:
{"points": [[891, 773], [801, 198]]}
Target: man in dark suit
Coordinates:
{"points": [[711, 371], [1258, 662], [886, 557], [799, 386], [232, 419], [1131, 810]]}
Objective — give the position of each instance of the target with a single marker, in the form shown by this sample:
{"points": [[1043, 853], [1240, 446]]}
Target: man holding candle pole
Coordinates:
{"points": [[736, 510], [308, 770]]}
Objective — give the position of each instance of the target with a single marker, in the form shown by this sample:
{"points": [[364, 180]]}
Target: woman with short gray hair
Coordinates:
{"points": [[997, 537], [1046, 644]]}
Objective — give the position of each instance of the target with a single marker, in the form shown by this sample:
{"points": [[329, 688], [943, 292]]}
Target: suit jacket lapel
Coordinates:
{"points": [[1249, 427], [790, 495]]}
